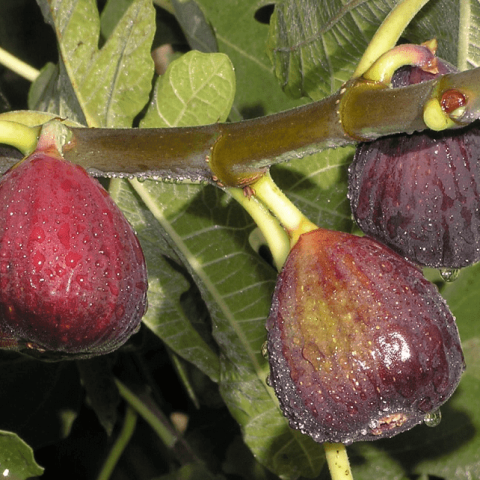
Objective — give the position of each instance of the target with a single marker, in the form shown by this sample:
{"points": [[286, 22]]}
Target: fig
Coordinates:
{"points": [[73, 278], [360, 345], [419, 193]]}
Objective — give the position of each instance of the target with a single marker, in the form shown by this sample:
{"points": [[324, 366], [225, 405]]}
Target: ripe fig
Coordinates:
{"points": [[420, 193], [73, 278], [361, 346]]}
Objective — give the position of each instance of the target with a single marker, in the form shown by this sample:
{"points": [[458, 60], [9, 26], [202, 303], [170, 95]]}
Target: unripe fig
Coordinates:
{"points": [[361, 346], [420, 194], [73, 278]]}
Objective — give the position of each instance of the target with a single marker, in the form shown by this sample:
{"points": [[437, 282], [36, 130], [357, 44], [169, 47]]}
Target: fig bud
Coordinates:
{"points": [[73, 278], [419, 193], [361, 346]]}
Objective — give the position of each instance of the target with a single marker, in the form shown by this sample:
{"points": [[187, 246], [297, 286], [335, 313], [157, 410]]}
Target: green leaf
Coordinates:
{"points": [[468, 46], [111, 15], [243, 39], [16, 458], [89, 87], [198, 31], [457, 33], [165, 316], [463, 299], [315, 45], [196, 89]]}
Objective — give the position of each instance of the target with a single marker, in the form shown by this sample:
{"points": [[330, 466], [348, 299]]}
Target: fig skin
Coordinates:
{"points": [[361, 346], [419, 193], [73, 278]]}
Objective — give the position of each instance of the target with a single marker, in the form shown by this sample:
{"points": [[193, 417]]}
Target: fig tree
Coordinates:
{"points": [[361, 346]]}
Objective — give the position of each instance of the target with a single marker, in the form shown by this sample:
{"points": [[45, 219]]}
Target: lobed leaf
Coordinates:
{"points": [[196, 89], [87, 85]]}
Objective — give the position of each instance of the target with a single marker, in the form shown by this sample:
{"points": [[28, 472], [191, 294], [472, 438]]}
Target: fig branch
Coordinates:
{"points": [[236, 154]]}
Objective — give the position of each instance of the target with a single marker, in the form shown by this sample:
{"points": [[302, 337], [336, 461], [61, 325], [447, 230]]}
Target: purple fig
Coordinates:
{"points": [[419, 193], [73, 278], [361, 346]]}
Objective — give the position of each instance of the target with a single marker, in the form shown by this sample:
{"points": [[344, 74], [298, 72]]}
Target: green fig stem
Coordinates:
{"points": [[152, 415], [20, 136], [156, 419], [129, 424], [384, 67], [53, 136], [435, 117], [18, 66], [275, 236], [292, 219], [388, 33], [338, 463]]}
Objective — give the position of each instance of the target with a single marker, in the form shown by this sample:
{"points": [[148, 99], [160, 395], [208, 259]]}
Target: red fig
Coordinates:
{"points": [[420, 194], [73, 278], [361, 346]]}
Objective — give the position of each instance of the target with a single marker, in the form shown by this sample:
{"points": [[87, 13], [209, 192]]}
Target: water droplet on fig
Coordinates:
{"points": [[433, 419], [265, 350], [449, 274]]}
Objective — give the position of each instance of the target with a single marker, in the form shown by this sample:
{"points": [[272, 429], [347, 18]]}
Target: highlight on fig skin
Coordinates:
{"points": [[73, 279], [420, 193], [361, 346]]}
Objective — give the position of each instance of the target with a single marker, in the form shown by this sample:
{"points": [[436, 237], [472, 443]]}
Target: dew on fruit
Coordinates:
{"points": [[352, 408], [113, 288], [72, 259], [449, 274], [38, 260], [265, 349], [433, 419], [64, 235], [37, 235]]}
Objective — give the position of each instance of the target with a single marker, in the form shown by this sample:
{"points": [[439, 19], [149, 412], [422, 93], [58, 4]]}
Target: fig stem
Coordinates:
{"points": [[388, 33], [153, 416], [275, 236], [386, 65], [124, 437], [338, 463], [435, 117], [20, 136], [292, 219], [18, 66]]}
